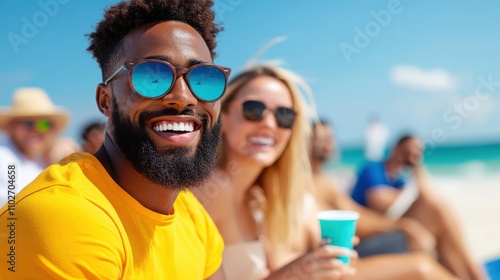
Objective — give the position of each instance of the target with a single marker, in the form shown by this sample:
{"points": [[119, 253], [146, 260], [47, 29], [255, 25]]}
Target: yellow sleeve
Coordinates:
{"points": [[58, 234], [215, 247], [207, 230]]}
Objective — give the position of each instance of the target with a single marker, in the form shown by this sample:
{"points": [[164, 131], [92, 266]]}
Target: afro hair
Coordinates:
{"points": [[120, 19]]}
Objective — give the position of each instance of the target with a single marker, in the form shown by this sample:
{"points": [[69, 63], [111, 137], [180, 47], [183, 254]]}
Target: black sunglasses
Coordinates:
{"points": [[254, 111], [154, 78]]}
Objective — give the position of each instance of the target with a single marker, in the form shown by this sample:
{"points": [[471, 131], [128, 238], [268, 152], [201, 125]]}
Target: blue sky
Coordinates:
{"points": [[430, 67]]}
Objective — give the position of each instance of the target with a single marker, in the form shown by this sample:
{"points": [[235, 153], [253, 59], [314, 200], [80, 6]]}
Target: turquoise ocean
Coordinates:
{"points": [[478, 159], [451, 164]]}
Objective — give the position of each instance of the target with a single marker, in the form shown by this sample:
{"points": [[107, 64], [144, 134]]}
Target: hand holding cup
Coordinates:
{"points": [[339, 227]]}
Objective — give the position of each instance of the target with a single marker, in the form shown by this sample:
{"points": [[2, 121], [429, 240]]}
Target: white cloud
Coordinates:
{"points": [[416, 78], [485, 110]]}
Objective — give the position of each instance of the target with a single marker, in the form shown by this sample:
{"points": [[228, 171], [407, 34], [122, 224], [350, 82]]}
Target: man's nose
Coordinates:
{"points": [[180, 95]]}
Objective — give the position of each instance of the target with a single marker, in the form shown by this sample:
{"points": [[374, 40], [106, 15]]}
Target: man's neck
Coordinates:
{"points": [[150, 195], [316, 166]]}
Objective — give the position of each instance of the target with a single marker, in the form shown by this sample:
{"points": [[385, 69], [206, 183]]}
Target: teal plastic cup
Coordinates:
{"points": [[339, 227]]}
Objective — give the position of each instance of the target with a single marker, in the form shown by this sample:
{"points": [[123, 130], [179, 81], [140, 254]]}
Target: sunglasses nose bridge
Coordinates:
{"points": [[181, 71], [180, 92], [28, 125], [269, 118]]}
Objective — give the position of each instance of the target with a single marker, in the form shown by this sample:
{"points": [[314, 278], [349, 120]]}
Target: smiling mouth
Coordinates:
{"points": [[175, 127], [262, 141]]}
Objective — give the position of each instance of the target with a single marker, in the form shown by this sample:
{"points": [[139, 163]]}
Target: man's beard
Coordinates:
{"points": [[175, 168]]}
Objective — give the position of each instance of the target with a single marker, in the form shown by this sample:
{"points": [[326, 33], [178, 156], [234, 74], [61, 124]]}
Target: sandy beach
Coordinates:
{"points": [[476, 200]]}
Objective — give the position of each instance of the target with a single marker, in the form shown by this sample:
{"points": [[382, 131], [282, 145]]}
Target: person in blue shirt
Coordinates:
{"points": [[374, 176], [399, 187]]}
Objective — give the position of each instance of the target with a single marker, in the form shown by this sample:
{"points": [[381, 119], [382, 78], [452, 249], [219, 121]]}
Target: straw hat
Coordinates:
{"points": [[33, 102]]}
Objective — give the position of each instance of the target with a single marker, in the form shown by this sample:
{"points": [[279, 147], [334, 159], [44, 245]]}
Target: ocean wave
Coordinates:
{"points": [[475, 168]]}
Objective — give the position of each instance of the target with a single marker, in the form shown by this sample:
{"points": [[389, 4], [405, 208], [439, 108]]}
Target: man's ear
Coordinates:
{"points": [[103, 100]]}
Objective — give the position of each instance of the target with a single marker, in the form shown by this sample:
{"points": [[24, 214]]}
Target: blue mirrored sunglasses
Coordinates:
{"points": [[154, 78]]}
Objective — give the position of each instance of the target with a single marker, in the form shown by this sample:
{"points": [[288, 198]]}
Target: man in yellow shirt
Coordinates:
{"points": [[126, 212]]}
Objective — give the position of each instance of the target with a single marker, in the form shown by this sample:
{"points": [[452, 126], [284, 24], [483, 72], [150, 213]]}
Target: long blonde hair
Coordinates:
{"points": [[285, 181]]}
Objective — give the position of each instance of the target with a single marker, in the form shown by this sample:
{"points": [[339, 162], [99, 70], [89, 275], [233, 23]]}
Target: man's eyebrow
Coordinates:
{"points": [[159, 57], [190, 63]]}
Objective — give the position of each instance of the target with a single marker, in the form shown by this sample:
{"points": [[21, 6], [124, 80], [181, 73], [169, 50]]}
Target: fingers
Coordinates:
{"points": [[312, 264], [329, 251], [328, 269], [325, 241], [322, 263], [354, 254], [355, 240]]}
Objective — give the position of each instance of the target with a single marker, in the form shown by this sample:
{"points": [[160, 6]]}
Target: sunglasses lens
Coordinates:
{"points": [[152, 79], [253, 110], [208, 83], [28, 124], [285, 117], [43, 125]]}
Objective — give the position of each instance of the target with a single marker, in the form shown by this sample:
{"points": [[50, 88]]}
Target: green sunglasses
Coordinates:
{"points": [[41, 125]]}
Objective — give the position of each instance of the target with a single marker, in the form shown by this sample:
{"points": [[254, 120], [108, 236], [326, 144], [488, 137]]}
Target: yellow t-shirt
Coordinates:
{"points": [[74, 221]]}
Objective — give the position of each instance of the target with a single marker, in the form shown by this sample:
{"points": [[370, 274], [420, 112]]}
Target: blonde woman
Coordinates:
{"points": [[256, 196]]}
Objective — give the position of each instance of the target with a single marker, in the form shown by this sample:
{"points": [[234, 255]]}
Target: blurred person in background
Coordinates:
{"points": [[257, 193], [93, 136], [385, 243], [31, 125], [60, 148], [400, 187], [376, 136]]}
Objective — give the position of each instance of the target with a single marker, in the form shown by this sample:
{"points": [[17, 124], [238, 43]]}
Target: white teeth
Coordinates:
{"points": [[262, 141], [174, 126]]}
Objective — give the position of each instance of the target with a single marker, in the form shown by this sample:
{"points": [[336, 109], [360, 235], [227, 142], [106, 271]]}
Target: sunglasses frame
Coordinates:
{"points": [[176, 71], [35, 125], [275, 113]]}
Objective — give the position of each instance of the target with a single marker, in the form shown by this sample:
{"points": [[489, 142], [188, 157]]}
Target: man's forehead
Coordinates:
{"points": [[414, 143]]}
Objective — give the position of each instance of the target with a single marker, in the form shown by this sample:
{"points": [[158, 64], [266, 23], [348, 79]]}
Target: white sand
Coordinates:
{"points": [[476, 200]]}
